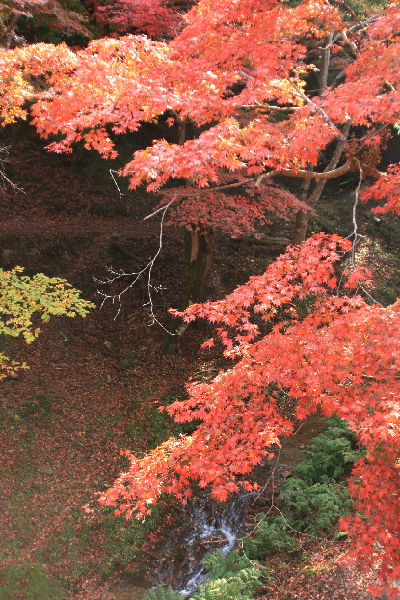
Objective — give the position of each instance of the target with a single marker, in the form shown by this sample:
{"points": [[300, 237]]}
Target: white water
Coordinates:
{"points": [[217, 529], [214, 525]]}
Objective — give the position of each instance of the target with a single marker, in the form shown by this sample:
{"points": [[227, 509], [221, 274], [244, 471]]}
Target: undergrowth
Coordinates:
{"points": [[310, 503], [314, 499]]}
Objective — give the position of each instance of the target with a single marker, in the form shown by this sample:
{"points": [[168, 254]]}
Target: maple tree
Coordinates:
{"points": [[240, 73], [158, 19], [302, 329]]}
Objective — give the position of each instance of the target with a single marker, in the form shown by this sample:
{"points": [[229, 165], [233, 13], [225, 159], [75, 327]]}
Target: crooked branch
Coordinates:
{"points": [[349, 165]]}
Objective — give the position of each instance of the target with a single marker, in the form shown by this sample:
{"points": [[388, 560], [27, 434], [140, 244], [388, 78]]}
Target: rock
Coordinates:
{"points": [[46, 470], [108, 346], [127, 363], [287, 473], [260, 501], [7, 253]]}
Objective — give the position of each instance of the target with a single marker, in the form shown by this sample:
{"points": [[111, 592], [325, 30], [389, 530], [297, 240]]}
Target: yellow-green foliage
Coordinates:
{"points": [[21, 297]]}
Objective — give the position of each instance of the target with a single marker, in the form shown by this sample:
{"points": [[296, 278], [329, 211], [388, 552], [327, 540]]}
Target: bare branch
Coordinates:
{"points": [[3, 177], [350, 165], [354, 234], [116, 298], [163, 207], [319, 187], [352, 45], [10, 29], [317, 108]]}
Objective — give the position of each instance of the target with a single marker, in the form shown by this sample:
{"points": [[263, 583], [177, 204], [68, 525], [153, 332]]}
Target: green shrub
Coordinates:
{"points": [[241, 585], [232, 576], [273, 535], [162, 593], [330, 454], [313, 500], [314, 508]]}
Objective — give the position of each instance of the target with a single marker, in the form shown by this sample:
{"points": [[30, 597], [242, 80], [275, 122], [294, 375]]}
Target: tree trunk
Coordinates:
{"points": [[199, 245], [300, 228], [7, 35], [299, 233]]}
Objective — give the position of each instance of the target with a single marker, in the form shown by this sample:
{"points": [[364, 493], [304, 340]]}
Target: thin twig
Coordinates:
{"points": [[356, 236], [117, 298], [3, 177], [272, 108]]}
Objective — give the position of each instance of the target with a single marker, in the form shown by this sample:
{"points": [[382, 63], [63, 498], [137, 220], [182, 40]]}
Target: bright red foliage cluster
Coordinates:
{"points": [[239, 69], [155, 18]]}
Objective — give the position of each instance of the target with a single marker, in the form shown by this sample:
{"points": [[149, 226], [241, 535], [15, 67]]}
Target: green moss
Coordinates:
{"points": [[29, 581]]}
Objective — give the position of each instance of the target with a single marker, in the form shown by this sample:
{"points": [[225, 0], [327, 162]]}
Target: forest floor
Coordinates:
{"points": [[94, 385]]}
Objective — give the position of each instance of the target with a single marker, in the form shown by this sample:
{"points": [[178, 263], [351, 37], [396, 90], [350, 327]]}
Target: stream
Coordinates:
{"points": [[206, 525], [209, 525]]}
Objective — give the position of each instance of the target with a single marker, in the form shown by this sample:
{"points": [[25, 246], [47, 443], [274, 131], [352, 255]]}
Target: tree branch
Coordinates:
{"points": [[317, 108], [350, 165], [10, 28], [271, 108]]}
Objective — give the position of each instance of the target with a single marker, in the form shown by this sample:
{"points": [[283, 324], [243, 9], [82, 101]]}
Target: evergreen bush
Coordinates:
{"points": [[162, 593], [315, 498], [232, 576]]}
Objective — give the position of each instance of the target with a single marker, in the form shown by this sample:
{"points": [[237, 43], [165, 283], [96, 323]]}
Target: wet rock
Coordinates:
{"points": [[123, 590]]}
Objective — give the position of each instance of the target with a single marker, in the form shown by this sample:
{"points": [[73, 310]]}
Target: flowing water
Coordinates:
{"points": [[211, 525]]}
